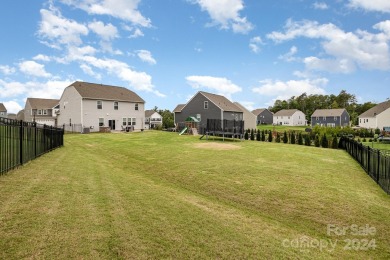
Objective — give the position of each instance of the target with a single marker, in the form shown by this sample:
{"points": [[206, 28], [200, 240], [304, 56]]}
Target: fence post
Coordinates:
{"points": [[378, 166], [21, 142]]}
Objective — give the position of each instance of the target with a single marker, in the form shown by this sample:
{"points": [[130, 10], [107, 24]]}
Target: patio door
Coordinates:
{"points": [[111, 124]]}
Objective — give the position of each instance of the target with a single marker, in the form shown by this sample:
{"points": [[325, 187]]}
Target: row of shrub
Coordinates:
{"points": [[292, 137]]}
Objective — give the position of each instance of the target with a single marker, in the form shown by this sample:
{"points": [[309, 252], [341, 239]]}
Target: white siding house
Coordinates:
{"points": [[376, 117], [97, 106], [3, 110], [289, 117], [152, 119]]}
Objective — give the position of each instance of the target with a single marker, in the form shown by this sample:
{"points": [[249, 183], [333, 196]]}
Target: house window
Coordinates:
{"points": [[206, 105], [324, 118], [133, 121], [101, 121], [335, 118], [136, 107], [116, 105], [124, 122], [317, 118], [39, 112], [129, 121], [44, 112], [366, 120], [99, 104]]}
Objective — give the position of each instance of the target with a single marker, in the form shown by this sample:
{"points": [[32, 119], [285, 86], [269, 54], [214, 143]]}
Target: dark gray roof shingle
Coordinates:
{"points": [[221, 102], [106, 92], [328, 112], [377, 109], [178, 108]]}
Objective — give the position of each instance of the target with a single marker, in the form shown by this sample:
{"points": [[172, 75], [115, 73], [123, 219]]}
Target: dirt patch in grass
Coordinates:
{"points": [[217, 146]]}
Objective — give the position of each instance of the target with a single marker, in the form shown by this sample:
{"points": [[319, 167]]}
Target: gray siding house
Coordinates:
{"points": [[330, 117], [205, 106], [42, 111], [263, 116], [3, 110], [98, 106]]}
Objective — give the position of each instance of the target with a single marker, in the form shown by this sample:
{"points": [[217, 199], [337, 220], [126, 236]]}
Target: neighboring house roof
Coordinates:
{"points": [[259, 111], [105, 92], [286, 112], [11, 116], [221, 102], [149, 113], [178, 108], [377, 109], [243, 109], [2, 108], [41, 103], [328, 112]]}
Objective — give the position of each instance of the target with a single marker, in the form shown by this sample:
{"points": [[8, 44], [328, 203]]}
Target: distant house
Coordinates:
{"points": [[289, 117], [203, 106], [3, 110], [152, 119], [96, 106], [11, 116], [249, 118], [41, 111], [330, 117], [20, 115], [263, 116], [376, 117]]}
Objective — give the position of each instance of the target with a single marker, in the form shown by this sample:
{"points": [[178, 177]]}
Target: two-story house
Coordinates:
{"points": [[289, 117], [249, 117], [203, 106], [376, 117], [263, 116], [3, 110], [98, 106], [330, 117], [42, 111], [152, 119]]}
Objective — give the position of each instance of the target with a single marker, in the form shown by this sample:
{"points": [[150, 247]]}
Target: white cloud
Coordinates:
{"points": [[89, 71], [346, 50], [146, 56], [126, 10], [320, 6], [138, 80], [41, 57], [286, 89], [11, 89], [33, 68], [12, 106], [137, 33], [371, 5], [226, 14], [106, 32], [254, 44], [248, 105], [222, 86], [7, 70], [289, 56], [59, 30]]}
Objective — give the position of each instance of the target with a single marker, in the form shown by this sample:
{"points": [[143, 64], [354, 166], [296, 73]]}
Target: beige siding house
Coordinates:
{"points": [[3, 110], [152, 119], [97, 106], [249, 117], [376, 117], [42, 111], [290, 117]]}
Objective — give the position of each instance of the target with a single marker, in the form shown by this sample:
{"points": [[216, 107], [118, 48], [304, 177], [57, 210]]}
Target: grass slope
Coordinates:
{"points": [[160, 195]]}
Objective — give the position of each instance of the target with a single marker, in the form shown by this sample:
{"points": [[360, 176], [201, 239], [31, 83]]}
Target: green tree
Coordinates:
{"points": [[324, 141], [270, 136], [252, 135], [317, 141], [285, 137], [300, 139], [246, 135], [258, 135], [263, 135], [335, 143], [167, 117], [292, 138], [277, 137], [307, 140]]}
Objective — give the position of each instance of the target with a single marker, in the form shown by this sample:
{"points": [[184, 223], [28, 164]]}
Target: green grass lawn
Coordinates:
{"points": [[282, 128], [378, 145], [155, 195]]}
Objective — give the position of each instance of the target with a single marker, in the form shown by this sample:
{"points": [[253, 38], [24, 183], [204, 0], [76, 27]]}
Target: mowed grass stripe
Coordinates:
{"points": [[158, 195]]}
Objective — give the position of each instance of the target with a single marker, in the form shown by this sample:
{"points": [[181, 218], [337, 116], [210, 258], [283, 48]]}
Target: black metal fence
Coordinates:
{"points": [[375, 162], [22, 141]]}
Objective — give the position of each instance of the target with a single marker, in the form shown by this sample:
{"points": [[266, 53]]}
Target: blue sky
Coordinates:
{"points": [[251, 51]]}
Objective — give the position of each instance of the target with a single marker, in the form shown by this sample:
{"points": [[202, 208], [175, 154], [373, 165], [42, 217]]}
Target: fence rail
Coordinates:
{"points": [[375, 162], [22, 141]]}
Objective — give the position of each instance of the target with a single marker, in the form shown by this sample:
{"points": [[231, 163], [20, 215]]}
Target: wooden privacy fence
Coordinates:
{"points": [[373, 161], [22, 141]]}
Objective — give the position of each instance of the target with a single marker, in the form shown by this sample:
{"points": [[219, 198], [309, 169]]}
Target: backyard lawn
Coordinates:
{"points": [[282, 128], [153, 195]]}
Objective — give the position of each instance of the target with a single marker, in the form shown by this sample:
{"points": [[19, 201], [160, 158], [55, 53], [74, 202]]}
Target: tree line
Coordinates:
{"points": [[309, 103]]}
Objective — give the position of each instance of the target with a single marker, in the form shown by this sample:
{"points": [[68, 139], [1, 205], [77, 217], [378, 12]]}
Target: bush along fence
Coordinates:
{"points": [[373, 161], [22, 141]]}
